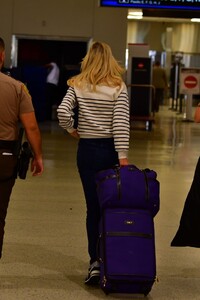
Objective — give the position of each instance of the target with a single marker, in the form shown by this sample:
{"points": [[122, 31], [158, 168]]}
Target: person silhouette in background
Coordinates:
{"points": [[160, 83], [52, 87]]}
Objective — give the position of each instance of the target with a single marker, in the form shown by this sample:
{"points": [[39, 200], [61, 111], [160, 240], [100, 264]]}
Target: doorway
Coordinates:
{"points": [[29, 60]]}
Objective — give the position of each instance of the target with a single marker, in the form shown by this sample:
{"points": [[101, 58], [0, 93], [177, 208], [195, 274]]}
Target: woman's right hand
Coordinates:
{"points": [[75, 134], [123, 162]]}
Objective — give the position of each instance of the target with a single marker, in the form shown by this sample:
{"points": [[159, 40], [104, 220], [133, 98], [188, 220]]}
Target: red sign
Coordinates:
{"points": [[190, 82]]}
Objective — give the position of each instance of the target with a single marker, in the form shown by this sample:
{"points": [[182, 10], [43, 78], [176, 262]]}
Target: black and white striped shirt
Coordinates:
{"points": [[102, 114]]}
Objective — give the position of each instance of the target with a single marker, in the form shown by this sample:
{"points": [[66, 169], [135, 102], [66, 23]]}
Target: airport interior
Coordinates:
{"points": [[45, 245]]}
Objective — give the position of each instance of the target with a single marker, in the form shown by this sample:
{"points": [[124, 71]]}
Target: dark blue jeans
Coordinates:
{"points": [[94, 155]]}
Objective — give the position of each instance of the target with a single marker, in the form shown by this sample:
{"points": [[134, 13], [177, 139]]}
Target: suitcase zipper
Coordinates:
{"points": [[136, 234]]}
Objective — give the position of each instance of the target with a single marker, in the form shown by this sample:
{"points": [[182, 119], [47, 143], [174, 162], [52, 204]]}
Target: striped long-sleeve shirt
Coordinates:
{"points": [[102, 114]]}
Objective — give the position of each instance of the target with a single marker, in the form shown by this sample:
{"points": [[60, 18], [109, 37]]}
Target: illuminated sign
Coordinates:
{"points": [[159, 4]]}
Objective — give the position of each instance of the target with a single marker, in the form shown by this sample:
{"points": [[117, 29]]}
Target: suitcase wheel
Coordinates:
{"points": [[146, 292]]}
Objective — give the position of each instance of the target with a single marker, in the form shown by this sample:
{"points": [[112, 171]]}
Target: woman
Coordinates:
{"points": [[103, 130]]}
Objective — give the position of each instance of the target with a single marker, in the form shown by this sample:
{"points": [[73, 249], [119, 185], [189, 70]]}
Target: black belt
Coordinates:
{"points": [[10, 145]]}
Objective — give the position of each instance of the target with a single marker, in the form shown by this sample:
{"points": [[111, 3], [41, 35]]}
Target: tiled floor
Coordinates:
{"points": [[45, 250]]}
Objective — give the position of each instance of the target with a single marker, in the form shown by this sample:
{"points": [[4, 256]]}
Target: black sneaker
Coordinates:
{"points": [[93, 277]]}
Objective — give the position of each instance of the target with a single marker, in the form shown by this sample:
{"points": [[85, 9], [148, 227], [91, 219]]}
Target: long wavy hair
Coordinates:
{"points": [[98, 67]]}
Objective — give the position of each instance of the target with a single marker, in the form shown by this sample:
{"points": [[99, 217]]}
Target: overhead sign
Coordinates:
{"points": [[160, 4], [190, 81]]}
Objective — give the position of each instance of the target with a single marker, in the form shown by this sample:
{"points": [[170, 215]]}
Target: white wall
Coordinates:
{"points": [[6, 13], [53, 18], [64, 19], [110, 25], [185, 36]]}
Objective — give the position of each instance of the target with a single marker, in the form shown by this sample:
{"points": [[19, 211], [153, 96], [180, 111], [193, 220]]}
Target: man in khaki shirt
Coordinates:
{"points": [[15, 106], [160, 84]]}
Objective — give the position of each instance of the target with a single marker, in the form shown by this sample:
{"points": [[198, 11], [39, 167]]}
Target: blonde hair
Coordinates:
{"points": [[98, 67]]}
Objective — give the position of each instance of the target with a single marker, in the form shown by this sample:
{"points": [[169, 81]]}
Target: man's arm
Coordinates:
{"points": [[34, 137]]}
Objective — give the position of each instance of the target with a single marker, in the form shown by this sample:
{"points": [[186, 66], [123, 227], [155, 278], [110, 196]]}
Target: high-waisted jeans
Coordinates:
{"points": [[94, 155]]}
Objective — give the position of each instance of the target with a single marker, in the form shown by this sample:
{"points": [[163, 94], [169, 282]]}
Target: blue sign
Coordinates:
{"points": [[158, 4]]}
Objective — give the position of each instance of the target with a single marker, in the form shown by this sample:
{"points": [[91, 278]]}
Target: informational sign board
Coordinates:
{"points": [[155, 4], [190, 81]]}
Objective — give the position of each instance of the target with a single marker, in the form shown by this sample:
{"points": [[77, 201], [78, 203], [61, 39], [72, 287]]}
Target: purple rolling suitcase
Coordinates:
{"points": [[127, 251], [128, 187]]}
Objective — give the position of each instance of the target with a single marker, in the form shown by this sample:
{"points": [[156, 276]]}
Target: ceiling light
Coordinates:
{"points": [[195, 20], [135, 14], [134, 17]]}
